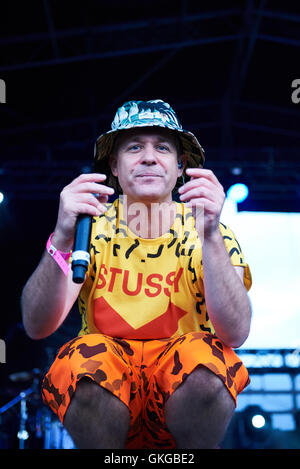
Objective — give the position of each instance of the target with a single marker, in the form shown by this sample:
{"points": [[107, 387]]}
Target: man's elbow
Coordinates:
{"points": [[35, 334], [32, 329], [238, 339], [238, 342], [35, 330]]}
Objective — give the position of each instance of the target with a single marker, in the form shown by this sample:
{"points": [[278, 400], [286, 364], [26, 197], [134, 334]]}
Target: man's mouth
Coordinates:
{"points": [[148, 175]]}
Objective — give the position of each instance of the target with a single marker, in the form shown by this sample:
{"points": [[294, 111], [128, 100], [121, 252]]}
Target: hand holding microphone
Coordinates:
{"points": [[82, 199]]}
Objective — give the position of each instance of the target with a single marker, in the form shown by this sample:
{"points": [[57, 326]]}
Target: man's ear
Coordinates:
{"points": [[183, 160], [113, 165]]}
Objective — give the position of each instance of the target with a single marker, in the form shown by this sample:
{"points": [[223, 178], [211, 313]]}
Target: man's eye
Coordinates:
{"points": [[163, 147], [134, 147]]}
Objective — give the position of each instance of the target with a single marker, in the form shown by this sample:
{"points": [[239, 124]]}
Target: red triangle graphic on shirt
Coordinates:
{"points": [[109, 322]]}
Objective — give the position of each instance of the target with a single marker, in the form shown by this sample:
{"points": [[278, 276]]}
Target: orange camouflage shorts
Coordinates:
{"points": [[143, 374]]}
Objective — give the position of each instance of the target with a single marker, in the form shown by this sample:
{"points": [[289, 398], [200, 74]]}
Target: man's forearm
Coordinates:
{"points": [[227, 301], [44, 300]]}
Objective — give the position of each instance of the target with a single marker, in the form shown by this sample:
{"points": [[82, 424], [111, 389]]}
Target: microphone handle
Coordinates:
{"points": [[80, 255]]}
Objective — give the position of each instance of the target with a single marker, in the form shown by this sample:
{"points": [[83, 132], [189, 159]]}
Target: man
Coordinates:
{"points": [[164, 300]]}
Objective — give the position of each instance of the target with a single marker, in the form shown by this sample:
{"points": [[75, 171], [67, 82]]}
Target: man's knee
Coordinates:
{"points": [[89, 394], [199, 410], [203, 386], [96, 418]]}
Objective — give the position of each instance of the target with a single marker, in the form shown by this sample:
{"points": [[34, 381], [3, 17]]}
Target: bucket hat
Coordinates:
{"points": [[136, 114]]}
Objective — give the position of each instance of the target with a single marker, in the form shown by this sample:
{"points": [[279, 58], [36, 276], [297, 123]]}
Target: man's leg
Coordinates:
{"points": [[96, 418], [199, 411]]}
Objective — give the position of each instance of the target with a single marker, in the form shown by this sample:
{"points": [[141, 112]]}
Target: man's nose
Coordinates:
{"points": [[149, 155]]}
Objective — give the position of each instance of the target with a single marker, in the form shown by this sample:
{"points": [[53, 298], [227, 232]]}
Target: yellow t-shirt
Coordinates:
{"points": [[139, 288]]}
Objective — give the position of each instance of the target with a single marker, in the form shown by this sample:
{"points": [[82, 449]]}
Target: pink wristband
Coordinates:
{"points": [[59, 256]]}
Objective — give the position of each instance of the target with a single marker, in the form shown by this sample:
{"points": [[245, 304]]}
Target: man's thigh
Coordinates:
{"points": [[196, 349], [180, 357], [106, 361]]}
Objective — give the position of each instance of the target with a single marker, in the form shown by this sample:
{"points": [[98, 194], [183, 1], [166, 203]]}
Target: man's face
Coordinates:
{"points": [[146, 163]]}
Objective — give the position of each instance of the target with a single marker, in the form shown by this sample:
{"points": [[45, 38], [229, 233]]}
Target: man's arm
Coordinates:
{"points": [[47, 298], [49, 295], [226, 297]]}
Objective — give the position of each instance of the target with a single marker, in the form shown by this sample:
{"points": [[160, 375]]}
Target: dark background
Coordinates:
{"points": [[225, 67]]}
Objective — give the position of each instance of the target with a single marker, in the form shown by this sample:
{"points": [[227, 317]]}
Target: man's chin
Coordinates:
{"points": [[148, 195]]}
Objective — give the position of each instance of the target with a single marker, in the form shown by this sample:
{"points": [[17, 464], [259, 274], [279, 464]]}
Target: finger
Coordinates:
{"points": [[202, 203], [73, 205], [92, 187], [200, 192], [88, 199], [201, 172], [88, 209], [88, 177], [98, 202], [197, 182]]}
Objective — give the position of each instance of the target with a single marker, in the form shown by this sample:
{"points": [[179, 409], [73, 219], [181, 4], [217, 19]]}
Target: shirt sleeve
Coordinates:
{"points": [[235, 253]]}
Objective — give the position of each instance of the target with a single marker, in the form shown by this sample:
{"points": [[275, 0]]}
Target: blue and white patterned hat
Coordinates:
{"points": [[148, 114]]}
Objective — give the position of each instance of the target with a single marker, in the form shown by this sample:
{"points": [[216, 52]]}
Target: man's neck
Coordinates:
{"points": [[149, 219]]}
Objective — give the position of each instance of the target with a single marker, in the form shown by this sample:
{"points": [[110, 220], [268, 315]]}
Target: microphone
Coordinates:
{"points": [[81, 256]]}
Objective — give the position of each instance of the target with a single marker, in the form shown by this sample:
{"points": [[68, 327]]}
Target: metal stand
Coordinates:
{"points": [[23, 434], [54, 434]]}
